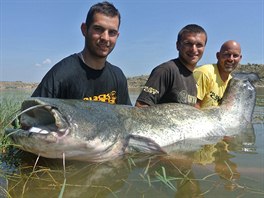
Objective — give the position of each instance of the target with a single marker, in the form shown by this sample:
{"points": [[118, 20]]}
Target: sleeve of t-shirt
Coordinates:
{"points": [[155, 87], [202, 84], [126, 99], [47, 87], [123, 96]]}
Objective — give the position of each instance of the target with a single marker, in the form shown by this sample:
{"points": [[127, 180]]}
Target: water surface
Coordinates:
{"points": [[231, 168]]}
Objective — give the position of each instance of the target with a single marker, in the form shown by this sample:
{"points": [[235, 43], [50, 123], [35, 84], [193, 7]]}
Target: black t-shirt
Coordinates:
{"points": [[169, 82], [72, 79]]}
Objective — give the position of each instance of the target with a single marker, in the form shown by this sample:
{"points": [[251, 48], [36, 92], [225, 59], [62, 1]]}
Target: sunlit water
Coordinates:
{"points": [[231, 168]]}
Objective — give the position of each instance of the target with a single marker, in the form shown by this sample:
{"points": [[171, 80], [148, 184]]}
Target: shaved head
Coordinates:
{"points": [[231, 44], [228, 58]]}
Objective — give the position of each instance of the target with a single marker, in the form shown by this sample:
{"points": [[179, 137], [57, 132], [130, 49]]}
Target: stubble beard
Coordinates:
{"points": [[94, 50]]}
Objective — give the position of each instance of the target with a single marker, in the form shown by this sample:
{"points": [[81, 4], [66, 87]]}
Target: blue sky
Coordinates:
{"points": [[36, 34]]}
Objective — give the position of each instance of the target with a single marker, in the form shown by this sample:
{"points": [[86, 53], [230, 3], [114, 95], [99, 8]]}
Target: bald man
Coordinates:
{"points": [[213, 79]]}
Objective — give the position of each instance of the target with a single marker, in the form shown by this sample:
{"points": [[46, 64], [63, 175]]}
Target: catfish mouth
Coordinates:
{"points": [[38, 117]]}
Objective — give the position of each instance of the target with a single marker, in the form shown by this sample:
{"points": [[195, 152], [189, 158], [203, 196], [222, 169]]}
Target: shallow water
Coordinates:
{"points": [[231, 168]]}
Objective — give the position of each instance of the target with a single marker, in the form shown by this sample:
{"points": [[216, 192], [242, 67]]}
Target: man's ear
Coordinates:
{"points": [[177, 45], [217, 55], [84, 29]]}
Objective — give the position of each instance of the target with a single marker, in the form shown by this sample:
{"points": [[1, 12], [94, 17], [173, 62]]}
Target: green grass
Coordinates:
{"points": [[8, 110], [10, 103]]}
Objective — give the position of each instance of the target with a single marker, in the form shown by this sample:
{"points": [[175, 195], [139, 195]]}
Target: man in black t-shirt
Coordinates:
{"points": [[173, 80], [87, 75]]}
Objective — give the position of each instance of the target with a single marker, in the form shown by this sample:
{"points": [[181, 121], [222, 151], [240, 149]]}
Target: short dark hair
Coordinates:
{"points": [[105, 8], [191, 28]]}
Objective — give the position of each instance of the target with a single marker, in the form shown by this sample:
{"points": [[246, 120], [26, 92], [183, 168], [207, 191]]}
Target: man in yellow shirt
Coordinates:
{"points": [[213, 79]]}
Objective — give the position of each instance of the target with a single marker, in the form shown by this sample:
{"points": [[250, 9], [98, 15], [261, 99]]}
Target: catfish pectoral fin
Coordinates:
{"points": [[142, 144]]}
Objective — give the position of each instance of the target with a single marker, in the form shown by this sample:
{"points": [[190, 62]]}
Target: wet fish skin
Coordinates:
{"points": [[95, 131]]}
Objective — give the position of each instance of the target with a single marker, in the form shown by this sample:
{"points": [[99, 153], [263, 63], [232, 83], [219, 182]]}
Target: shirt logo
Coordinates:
{"points": [[215, 97], [185, 98], [150, 90], [109, 98]]}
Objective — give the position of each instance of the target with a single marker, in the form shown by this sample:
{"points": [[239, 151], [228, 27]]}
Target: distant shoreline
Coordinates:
{"points": [[134, 83], [137, 82]]}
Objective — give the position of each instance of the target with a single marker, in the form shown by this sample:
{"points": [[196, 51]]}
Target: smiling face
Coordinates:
{"points": [[228, 57], [101, 35], [191, 48]]}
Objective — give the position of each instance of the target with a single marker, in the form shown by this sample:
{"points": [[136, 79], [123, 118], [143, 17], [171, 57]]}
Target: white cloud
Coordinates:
{"points": [[46, 62]]}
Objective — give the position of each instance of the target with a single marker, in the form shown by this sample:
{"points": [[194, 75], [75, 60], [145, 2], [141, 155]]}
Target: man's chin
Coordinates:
{"points": [[193, 61], [102, 54], [229, 69]]}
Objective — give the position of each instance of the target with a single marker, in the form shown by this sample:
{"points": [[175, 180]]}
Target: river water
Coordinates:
{"points": [[230, 168]]}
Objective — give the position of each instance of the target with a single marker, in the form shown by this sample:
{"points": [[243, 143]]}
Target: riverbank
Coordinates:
{"points": [[138, 82]]}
